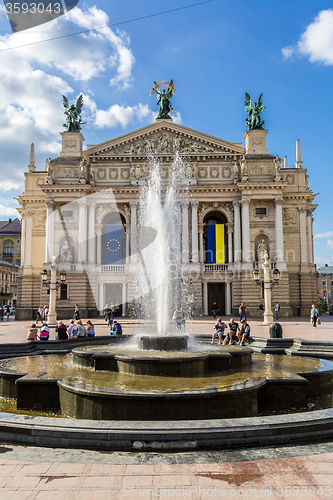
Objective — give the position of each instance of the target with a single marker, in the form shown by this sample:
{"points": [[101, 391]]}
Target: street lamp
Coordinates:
{"points": [[50, 281], [266, 285]]}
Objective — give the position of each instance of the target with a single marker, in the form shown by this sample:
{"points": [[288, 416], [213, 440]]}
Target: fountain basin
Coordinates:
{"points": [[163, 342]]}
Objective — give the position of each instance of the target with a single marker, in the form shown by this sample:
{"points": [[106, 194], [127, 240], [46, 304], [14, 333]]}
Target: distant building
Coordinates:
{"points": [[8, 283], [10, 241], [325, 282]]}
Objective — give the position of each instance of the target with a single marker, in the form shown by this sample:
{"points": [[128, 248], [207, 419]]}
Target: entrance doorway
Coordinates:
{"points": [[216, 293], [113, 293]]}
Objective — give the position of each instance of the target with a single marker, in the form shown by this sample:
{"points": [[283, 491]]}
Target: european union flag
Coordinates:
{"points": [[113, 244]]}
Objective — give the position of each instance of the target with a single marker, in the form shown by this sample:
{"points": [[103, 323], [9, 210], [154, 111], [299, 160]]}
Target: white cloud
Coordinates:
{"points": [[122, 115], [316, 42], [329, 243], [328, 234], [287, 52], [8, 212]]}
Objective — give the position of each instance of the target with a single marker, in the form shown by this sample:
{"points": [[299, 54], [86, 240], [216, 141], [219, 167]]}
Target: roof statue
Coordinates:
{"points": [[73, 115], [163, 97], [254, 110]]}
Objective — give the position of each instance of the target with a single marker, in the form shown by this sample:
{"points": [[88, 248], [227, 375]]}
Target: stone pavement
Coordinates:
{"points": [[28, 473]]}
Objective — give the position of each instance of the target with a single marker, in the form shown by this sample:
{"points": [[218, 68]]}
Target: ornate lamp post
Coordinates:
{"points": [[52, 284], [266, 286]]}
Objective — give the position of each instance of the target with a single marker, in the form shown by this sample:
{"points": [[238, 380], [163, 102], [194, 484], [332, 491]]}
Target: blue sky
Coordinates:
{"points": [[214, 52]]}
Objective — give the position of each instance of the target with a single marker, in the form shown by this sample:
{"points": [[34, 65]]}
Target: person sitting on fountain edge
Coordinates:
{"points": [[244, 332], [219, 330], [116, 328], [232, 335]]}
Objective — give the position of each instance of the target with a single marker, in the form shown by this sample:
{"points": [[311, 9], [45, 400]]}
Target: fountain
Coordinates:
{"points": [[160, 377]]}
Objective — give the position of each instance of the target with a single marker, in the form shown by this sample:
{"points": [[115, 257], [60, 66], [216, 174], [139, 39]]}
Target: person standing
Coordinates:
{"points": [[1, 313], [39, 315], [177, 317], [276, 309], [76, 312], [261, 310], [214, 310], [8, 312], [242, 312], [314, 315], [117, 309]]}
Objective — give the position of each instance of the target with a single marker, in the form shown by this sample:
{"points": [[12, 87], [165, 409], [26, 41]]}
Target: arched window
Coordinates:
{"points": [[215, 238], [113, 239]]}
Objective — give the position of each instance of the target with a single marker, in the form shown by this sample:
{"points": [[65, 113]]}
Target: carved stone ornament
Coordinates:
{"points": [[101, 173], [164, 173], [203, 172], [113, 173], [40, 181], [190, 170], [138, 172], [39, 221], [70, 144], [290, 178], [214, 172], [226, 172], [125, 173], [289, 217], [66, 253]]}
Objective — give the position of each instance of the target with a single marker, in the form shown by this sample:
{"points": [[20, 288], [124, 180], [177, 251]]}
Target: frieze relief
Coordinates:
{"points": [[68, 172], [101, 173], [289, 178], [226, 172], [260, 170], [214, 172], [289, 217], [39, 221], [164, 144], [202, 172]]}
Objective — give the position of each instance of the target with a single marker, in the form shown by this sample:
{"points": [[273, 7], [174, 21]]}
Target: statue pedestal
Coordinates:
{"points": [[72, 144], [255, 142]]}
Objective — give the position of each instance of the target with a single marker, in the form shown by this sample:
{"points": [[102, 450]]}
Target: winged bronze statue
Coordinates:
{"points": [[254, 110], [73, 115], [163, 97]]}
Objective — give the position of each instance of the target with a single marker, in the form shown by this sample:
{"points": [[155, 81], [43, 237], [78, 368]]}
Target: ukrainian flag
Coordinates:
{"points": [[215, 244], [113, 244]]}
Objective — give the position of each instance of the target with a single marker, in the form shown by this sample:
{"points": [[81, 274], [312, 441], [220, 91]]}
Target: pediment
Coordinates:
{"points": [[163, 138]]}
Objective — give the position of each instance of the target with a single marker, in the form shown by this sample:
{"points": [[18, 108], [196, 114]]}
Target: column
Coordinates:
{"points": [[268, 315], [230, 256], [22, 243], [205, 298], [185, 254], [279, 247], [302, 226], [100, 297], [52, 315], [91, 234], [201, 256], [246, 229], [310, 236], [228, 299], [49, 231], [124, 298], [99, 230], [127, 242], [195, 256], [133, 206], [28, 238], [82, 239], [237, 235]]}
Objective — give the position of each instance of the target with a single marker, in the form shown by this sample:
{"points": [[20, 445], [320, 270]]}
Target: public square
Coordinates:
{"points": [[303, 471]]}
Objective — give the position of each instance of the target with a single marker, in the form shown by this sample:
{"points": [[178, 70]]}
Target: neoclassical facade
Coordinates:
{"points": [[68, 210]]}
